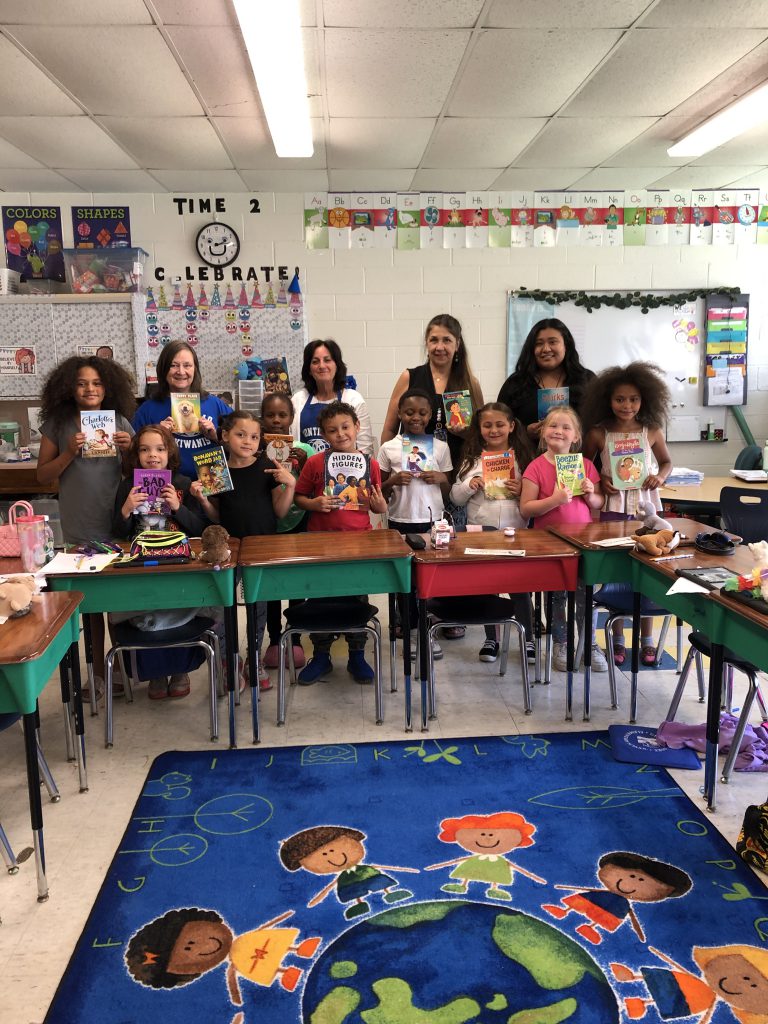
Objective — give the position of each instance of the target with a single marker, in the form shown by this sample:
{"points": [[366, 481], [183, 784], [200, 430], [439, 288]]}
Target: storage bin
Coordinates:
{"points": [[110, 270]]}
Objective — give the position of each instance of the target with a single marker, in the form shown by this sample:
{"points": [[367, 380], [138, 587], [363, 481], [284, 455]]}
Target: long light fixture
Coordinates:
{"points": [[272, 34], [748, 112]]}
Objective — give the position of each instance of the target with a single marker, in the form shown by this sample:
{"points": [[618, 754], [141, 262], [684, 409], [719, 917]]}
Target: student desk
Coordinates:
{"points": [[704, 498], [319, 564], [140, 588], [30, 649], [711, 615], [549, 564]]}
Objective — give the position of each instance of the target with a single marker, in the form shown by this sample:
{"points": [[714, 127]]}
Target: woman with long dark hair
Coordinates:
{"points": [[324, 373]]}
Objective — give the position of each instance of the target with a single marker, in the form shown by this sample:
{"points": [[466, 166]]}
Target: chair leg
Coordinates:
{"points": [[728, 688], [210, 649], [393, 643], [375, 632], [284, 641], [679, 651], [48, 779], [760, 701], [431, 692], [514, 624], [610, 649], [109, 663], [125, 678], [677, 695], [662, 640], [740, 726], [700, 677], [505, 649], [7, 853]]}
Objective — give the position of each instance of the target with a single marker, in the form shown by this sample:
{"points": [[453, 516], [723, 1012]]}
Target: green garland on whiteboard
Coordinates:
{"points": [[623, 300]]}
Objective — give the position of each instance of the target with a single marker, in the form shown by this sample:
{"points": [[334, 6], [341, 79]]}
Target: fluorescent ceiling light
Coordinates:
{"points": [[739, 117], [272, 34]]}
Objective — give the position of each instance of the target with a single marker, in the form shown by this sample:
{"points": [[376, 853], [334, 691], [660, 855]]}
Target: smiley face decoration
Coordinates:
{"points": [[217, 244]]}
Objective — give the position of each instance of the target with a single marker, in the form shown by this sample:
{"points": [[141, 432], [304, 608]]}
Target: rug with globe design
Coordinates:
{"points": [[498, 880]]}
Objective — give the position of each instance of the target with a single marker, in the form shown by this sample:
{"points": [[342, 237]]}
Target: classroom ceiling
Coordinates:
{"points": [[158, 95]]}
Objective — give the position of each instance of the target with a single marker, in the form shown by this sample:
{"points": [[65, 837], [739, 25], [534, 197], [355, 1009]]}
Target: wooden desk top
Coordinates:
{"points": [[708, 490], [739, 562], [27, 638], [584, 535], [319, 547], [535, 543]]}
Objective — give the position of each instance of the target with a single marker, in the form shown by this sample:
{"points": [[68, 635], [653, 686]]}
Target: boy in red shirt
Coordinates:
{"points": [[340, 426]]}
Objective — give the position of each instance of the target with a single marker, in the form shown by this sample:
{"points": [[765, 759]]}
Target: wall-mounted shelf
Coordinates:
{"points": [[63, 297]]}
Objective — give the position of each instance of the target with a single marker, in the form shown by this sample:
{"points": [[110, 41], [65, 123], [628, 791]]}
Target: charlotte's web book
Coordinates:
{"points": [[570, 471], [276, 379], [185, 412], [548, 398], [627, 457], [99, 430], [458, 409], [212, 471], [151, 482], [278, 447], [418, 454], [497, 469], [348, 479]]}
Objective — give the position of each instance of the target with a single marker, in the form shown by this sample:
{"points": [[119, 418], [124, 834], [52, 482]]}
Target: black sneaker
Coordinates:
{"points": [[489, 651], [530, 650]]}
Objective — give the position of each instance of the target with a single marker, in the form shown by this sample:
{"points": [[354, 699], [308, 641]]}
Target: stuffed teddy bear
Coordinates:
{"points": [[215, 540], [656, 544], [652, 521], [759, 552], [17, 595]]}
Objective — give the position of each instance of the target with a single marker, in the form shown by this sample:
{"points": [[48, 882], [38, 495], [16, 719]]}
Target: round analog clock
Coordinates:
{"points": [[217, 244]]}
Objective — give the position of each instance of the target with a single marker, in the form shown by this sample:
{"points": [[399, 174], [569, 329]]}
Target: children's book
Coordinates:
{"points": [[99, 430], [212, 471], [278, 447], [548, 398], [185, 412], [276, 376], [151, 482], [458, 408], [570, 471], [497, 469], [418, 454], [627, 459], [348, 480]]}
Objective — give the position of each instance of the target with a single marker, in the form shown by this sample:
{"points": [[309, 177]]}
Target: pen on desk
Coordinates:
{"points": [[670, 558]]}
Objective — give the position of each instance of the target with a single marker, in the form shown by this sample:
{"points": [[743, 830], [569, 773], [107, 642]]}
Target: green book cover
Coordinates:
{"points": [[458, 409], [570, 472]]}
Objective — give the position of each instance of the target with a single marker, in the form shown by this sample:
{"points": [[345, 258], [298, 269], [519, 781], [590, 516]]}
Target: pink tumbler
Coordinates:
{"points": [[35, 541]]}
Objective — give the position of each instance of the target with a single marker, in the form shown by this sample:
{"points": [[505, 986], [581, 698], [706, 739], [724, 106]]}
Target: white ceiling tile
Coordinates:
{"points": [[650, 148], [286, 181], [652, 72], [749, 148], [64, 141], [582, 140], [755, 179], [562, 13], [183, 142], [735, 81], [33, 179], [390, 179], [199, 181], [539, 177], [619, 177], [459, 180], [250, 144], [10, 156], [719, 14], [703, 177], [429, 14], [196, 12], [135, 74], [469, 141], [25, 89], [113, 181], [525, 73], [390, 73], [377, 142], [74, 12], [201, 50]]}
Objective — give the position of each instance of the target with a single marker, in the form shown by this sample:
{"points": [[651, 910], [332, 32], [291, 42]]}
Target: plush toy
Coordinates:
{"points": [[656, 544], [652, 521], [17, 596], [215, 541]]}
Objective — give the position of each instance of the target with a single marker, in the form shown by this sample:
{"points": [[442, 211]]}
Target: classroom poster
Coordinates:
{"points": [[544, 218], [735, 216], [702, 214], [499, 220], [454, 232], [18, 361], [521, 215], [568, 219], [656, 222], [762, 217], [316, 220], [385, 220], [679, 217], [408, 216], [602, 217], [431, 220], [476, 219], [33, 241], [361, 218], [101, 227], [635, 211], [339, 230]]}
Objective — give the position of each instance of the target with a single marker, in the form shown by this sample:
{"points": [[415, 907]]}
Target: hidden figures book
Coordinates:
{"points": [[458, 409], [185, 412], [418, 454], [627, 458], [570, 472], [99, 430], [497, 469], [348, 480], [151, 482], [212, 471]]}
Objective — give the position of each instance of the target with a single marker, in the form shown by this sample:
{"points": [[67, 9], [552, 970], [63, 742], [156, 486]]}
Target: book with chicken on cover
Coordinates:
{"points": [[151, 482], [570, 472], [348, 480], [185, 412], [458, 409], [498, 468], [99, 430], [212, 471], [627, 457], [418, 454]]}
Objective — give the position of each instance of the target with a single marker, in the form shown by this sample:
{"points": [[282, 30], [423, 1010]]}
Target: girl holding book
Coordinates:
{"points": [[87, 487], [154, 450], [628, 409], [495, 438], [549, 500]]}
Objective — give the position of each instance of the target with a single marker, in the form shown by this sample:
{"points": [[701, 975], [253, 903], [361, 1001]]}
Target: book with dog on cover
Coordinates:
{"points": [[348, 479], [185, 412], [99, 429], [213, 471]]}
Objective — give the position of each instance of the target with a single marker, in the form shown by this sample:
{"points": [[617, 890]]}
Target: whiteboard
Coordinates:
{"points": [[673, 337]]}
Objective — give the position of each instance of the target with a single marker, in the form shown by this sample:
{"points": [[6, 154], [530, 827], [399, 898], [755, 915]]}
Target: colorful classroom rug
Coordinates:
{"points": [[507, 880]]}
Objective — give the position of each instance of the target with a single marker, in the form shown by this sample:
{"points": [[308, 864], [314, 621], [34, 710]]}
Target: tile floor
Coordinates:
{"points": [[83, 830]]}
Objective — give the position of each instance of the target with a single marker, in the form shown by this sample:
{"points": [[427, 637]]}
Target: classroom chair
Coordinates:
{"points": [[700, 645], [750, 457], [323, 615], [198, 632], [745, 513], [445, 612]]}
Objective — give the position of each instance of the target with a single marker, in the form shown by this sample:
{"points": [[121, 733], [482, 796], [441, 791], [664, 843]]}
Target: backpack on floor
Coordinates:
{"points": [[752, 844]]}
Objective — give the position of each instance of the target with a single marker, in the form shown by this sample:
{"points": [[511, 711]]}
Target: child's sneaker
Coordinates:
{"points": [[437, 650], [158, 688], [489, 651], [559, 658], [359, 668], [530, 650], [599, 663], [179, 685], [316, 668], [271, 656]]}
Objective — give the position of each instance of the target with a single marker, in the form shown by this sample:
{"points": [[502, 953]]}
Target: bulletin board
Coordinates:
{"points": [[673, 337]]}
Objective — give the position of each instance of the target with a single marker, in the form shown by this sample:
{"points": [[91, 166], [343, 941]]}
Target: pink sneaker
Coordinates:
{"points": [[271, 656], [299, 658]]}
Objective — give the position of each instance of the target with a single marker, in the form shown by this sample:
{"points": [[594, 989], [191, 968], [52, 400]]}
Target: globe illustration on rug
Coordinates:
{"points": [[453, 962]]}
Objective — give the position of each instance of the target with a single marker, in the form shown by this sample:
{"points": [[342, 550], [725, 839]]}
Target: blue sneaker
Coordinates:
{"points": [[359, 668], [317, 668]]}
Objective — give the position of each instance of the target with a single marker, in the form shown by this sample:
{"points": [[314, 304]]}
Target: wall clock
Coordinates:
{"points": [[217, 244]]}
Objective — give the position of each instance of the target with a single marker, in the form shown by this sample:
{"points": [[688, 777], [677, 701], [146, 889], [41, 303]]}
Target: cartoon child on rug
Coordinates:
{"points": [[486, 837], [738, 975], [627, 878], [184, 944], [339, 851]]}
